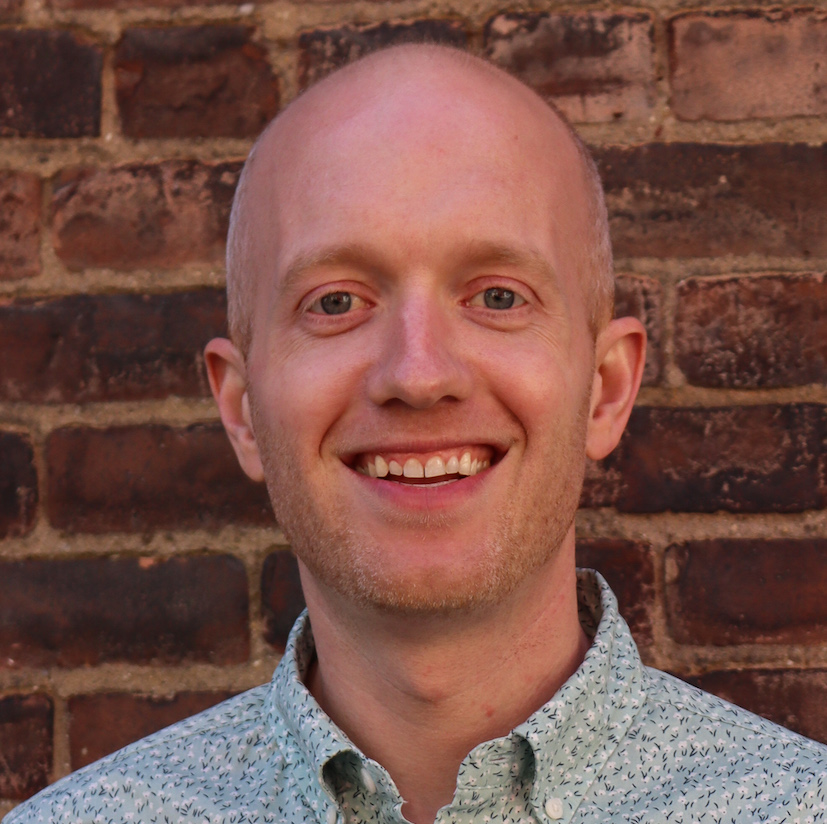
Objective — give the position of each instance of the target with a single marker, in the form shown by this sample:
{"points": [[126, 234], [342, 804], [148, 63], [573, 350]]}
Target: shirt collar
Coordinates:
{"points": [[570, 737]]}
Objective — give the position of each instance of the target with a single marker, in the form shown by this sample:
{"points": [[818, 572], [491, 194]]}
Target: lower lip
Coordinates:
{"points": [[425, 497]]}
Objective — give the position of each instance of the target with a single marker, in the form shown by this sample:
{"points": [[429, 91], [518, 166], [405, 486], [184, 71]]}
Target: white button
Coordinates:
{"points": [[369, 783], [554, 808], [331, 815]]}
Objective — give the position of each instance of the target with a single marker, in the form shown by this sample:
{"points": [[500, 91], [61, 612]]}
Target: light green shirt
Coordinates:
{"points": [[618, 743]]}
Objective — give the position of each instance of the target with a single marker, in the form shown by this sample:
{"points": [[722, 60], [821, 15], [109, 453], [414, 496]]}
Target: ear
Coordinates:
{"points": [[620, 352], [227, 373]]}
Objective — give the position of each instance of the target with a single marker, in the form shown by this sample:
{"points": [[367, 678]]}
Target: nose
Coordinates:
{"points": [[421, 359]]}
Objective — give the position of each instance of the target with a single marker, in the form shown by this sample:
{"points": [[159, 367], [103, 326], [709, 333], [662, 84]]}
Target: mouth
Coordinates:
{"points": [[426, 469]]}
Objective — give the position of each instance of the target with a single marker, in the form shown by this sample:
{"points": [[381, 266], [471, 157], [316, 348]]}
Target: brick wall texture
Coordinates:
{"points": [[141, 576]]}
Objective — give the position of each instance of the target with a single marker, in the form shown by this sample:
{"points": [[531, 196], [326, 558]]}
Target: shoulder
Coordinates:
{"points": [[194, 759], [683, 732]]}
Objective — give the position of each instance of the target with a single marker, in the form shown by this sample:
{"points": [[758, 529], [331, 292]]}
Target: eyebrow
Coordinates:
{"points": [[353, 255], [470, 255]]}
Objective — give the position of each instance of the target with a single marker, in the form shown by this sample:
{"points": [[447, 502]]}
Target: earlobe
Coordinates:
{"points": [[620, 353], [227, 374]]}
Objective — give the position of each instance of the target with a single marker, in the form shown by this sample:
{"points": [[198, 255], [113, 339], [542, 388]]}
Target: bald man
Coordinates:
{"points": [[422, 357]]}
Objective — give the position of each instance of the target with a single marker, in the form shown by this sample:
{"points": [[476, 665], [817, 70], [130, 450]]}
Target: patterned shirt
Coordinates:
{"points": [[618, 743]]}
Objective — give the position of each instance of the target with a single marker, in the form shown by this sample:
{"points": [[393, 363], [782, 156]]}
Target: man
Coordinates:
{"points": [[422, 358]]}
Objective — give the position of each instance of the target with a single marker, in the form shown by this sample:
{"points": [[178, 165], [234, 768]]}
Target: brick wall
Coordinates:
{"points": [[140, 580]]}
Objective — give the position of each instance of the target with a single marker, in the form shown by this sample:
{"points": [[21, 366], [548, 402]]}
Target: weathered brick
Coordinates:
{"points": [[740, 459], [25, 744], [51, 84], [138, 215], [737, 65], [603, 482], [19, 225], [738, 592], [628, 569], [641, 298], [86, 611], [102, 723], [18, 485], [323, 50], [796, 699], [108, 347], [752, 331], [140, 478], [595, 66], [10, 10], [193, 81], [282, 598], [705, 200], [119, 5]]}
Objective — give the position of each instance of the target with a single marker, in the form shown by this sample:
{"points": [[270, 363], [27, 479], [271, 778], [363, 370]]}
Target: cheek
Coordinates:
{"points": [[307, 390]]}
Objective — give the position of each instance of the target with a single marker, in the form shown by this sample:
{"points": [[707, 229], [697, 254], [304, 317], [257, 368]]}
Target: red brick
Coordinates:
{"points": [[323, 50], [595, 66], [108, 347], [87, 611], [19, 225], [193, 81], [141, 478], [143, 215], [796, 699], [640, 297], [628, 569], [603, 483], [10, 10], [25, 745], [741, 592], [100, 724], [750, 332], [51, 84], [18, 485], [127, 4], [689, 200], [740, 459], [282, 599], [738, 65]]}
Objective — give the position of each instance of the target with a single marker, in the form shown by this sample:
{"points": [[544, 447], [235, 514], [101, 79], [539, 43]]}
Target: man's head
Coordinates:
{"points": [[596, 264], [420, 249]]}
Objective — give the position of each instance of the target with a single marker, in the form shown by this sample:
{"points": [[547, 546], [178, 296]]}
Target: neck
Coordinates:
{"points": [[417, 694]]}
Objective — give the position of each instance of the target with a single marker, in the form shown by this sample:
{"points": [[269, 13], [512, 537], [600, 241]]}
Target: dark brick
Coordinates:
{"points": [[282, 599], [628, 569], [705, 200], [18, 485], [157, 215], [19, 225], [748, 332], [323, 50], [51, 84], [640, 297], [100, 724], [595, 66], [193, 81], [740, 592], [25, 745], [795, 699], [87, 611], [108, 347], [140, 478], [603, 483], [737, 65], [740, 459]]}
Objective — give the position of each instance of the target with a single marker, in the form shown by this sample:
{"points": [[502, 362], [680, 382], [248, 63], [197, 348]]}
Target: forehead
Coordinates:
{"points": [[416, 138]]}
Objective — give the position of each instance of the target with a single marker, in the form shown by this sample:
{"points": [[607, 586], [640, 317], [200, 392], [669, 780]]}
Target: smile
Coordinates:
{"points": [[424, 470]]}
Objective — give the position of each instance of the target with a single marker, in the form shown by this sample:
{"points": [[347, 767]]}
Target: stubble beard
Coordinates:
{"points": [[347, 560]]}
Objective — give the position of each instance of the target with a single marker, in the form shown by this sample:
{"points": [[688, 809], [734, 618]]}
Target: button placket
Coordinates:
{"points": [[554, 808]]}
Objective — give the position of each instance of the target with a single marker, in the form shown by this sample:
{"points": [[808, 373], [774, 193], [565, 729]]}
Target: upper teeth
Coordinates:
{"points": [[434, 467]]}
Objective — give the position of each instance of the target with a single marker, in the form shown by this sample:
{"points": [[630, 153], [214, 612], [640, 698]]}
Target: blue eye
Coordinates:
{"points": [[335, 303], [497, 298]]}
